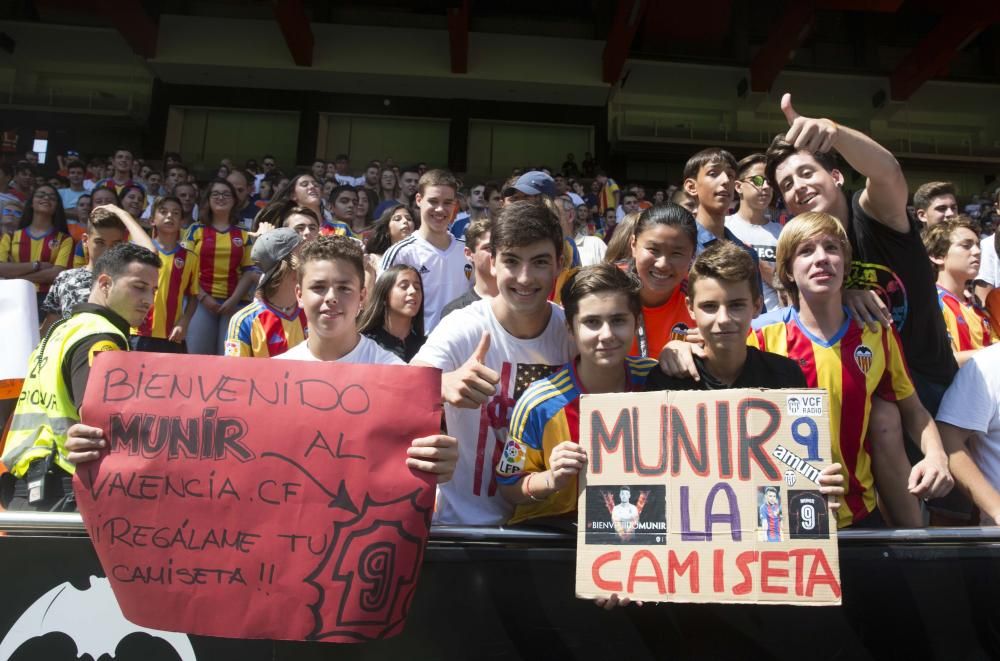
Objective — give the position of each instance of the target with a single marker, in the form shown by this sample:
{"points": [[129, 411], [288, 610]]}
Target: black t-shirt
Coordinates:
{"points": [[405, 350], [77, 362], [896, 265], [761, 370]]}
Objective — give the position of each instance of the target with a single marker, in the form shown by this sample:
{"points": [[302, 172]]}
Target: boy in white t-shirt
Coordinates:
{"points": [[331, 292], [969, 423], [432, 250], [750, 224], [491, 351]]}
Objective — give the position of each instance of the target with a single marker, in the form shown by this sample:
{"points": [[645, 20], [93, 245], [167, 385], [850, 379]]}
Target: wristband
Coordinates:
{"points": [[527, 489]]}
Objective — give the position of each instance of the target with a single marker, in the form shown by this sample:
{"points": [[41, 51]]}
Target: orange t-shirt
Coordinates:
{"points": [[664, 323], [992, 305]]}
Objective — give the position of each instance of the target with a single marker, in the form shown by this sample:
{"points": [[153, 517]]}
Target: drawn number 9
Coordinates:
{"points": [[809, 440], [808, 517]]}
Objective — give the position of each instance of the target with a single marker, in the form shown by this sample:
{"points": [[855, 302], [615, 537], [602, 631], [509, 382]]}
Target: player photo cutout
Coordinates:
{"points": [[770, 514], [627, 514]]}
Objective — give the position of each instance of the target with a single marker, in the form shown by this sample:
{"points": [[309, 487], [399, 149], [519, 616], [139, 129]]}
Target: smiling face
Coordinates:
{"points": [[331, 294], [525, 276], [43, 202], [806, 185], [123, 161], [221, 200], [662, 254], [406, 294], [603, 328], [437, 205], [133, 203]]}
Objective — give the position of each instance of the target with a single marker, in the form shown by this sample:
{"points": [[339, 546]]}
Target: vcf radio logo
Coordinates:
{"points": [[863, 358]]}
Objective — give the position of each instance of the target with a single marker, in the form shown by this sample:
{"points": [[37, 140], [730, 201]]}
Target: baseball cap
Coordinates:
{"points": [[272, 247], [72, 153], [535, 182]]}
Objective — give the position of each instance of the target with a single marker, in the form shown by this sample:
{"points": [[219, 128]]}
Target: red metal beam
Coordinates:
{"points": [[935, 52], [458, 37], [628, 15], [785, 36], [701, 22], [886, 6], [294, 24]]}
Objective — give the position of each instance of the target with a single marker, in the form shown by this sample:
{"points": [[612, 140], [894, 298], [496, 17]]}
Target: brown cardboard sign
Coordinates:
{"points": [[707, 496]]}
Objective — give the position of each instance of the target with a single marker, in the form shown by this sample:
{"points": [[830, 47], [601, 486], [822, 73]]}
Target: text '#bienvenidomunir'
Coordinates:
{"points": [[122, 384]]}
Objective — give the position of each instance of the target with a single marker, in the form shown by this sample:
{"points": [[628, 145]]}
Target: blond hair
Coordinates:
{"points": [[801, 228]]}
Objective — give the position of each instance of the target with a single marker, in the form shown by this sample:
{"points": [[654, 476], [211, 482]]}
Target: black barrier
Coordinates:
{"points": [[508, 594]]}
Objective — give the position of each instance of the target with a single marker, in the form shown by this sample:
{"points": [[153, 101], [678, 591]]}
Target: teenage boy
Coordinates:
{"points": [[853, 363], [122, 175], [750, 223], [710, 176], [953, 248], [165, 327], [107, 227], [538, 467], [477, 252], [343, 200], [330, 290], [432, 250], [492, 350], [70, 195], [969, 420], [935, 202], [274, 322], [889, 256], [989, 268]]}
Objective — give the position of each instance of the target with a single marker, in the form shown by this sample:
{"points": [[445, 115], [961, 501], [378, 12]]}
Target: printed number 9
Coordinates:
{"points": [[809, 440], [808, 517]]}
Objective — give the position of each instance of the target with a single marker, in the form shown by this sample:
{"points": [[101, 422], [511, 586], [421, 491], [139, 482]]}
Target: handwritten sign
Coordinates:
{"points": [[259, 498], [707, 497]]}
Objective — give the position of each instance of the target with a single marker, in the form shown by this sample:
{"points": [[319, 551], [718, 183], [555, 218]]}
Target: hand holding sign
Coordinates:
{"points": [[472, 384], [808, 133], [437, 454], [567, 460]]}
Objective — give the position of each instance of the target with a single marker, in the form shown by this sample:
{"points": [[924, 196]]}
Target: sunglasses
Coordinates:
{"points": [[758, 180]]}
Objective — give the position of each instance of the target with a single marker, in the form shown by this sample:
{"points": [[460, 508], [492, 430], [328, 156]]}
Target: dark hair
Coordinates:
{"points": [[596, 279], [300, 211], [338, 157], [710, 156], [377, 309], [115, 261], [415, 169], [937, 239], [171, 155], [524, 222], [280, 201], [75, 163], [58, 215], [928, 191], [160, 201], [25, 166], [179, 166], [780, 150], [205, 218], [372, 202], [748, 162], [104, 219], [123, 148], [488, 188], [380, 239], [329, 248], [335, 193], [727, 262], [671, 215], [96, 189]]}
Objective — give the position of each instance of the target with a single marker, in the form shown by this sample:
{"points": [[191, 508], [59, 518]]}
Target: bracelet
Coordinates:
{"points": [[527, 489]]}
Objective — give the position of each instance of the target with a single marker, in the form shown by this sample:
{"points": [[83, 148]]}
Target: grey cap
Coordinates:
{"points": [[535, 182], [272, 247]]}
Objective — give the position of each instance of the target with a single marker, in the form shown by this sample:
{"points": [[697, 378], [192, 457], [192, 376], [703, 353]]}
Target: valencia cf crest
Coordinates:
{"points": [[863, 358], [679, 331], [53, 243], [178, 262], [238, 241], [468, 271]]}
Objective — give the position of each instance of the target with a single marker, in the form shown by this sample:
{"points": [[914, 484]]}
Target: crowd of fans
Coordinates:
{"points": [[757, 272]]}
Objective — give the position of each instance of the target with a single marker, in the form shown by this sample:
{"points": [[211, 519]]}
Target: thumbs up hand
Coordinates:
{"points": [[473, 383], [807, 133]]}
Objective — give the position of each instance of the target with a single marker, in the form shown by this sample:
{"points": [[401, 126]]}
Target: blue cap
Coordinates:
{"points": [[533, 183]]}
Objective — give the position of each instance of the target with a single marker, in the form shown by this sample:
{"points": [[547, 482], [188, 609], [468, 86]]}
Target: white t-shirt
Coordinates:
{"points": [[989, 265], [348, 180], [592, 249], [366, 353], [472, 496], [763, 239], [446, 274], [973, 402]]}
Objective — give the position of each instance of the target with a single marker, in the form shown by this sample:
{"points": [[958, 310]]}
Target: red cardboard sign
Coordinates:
{"points": [[252, 498]]}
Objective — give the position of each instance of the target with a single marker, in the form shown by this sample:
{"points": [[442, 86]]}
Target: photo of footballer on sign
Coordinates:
{"points": [[627, 514], [707, 496]]}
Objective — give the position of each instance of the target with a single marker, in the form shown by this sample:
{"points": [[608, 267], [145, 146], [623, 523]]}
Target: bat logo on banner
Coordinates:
{"points": [[90, 617]]}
